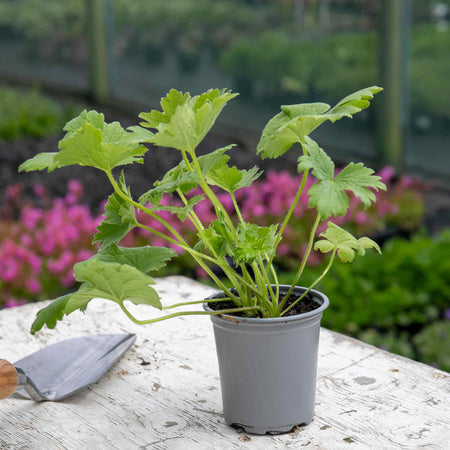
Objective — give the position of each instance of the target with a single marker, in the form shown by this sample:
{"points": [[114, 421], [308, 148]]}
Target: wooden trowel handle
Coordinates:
{"points": [[8, 379]]}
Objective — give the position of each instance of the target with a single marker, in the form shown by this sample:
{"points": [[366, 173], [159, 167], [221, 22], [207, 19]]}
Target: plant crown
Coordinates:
{"points": [[119, 274]]}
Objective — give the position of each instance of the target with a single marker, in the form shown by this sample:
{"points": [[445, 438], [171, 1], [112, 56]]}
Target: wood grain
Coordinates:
{"points": [[8, 379], [165, 392]]}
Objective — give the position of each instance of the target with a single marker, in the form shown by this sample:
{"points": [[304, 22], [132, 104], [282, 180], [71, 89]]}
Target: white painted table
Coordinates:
{"points": [[164, 393]]}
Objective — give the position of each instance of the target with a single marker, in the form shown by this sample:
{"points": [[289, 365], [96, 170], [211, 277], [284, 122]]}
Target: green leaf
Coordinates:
{"points": [[357, 178], [254, 240], [185, 121], [231, 179], [316, 159], [111, 281], [50, 314], [93, 117], [295, 122], [329, 196], [139, 134], [180, 177], [119, 219], [144, 259], [169, 104], [181, 211], [90, 141], [218, 237], [336, 238], [40, 162]]}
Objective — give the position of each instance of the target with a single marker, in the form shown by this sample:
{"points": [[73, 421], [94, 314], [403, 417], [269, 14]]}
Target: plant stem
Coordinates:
{"points": [[291, 209], [236, 207], [275, 277], [313, 284], [196, 302], [211, 195], [266, 279], [185, 313], [143, 208], [303, 263]]}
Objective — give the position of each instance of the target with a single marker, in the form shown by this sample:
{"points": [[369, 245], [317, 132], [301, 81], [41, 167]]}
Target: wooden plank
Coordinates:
{"points": [[164, 393]]}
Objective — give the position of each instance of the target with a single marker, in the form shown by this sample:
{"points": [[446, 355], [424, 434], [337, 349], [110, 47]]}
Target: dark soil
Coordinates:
{"points": [[307, 304]]}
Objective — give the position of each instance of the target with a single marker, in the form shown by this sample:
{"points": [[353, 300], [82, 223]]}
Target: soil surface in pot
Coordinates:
{"points": [[307, 304]]}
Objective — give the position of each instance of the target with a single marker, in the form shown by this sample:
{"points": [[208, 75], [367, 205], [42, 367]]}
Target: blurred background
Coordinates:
{"points": [[121, 56]]}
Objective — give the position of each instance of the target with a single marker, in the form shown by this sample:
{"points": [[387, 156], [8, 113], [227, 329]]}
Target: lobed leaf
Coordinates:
{"points": [[111, 281], [185, 121], [316, 159], [145, 259], [180, 177], [40, 161], [254, 240], [119, 219], [181, 211], [231, 179], [90, 141], [50, 314], [336, 238], [328, 195], [295, 122]]}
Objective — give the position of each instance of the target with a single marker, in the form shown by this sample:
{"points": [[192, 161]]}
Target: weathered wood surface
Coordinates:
{"points": [[164, 393]]}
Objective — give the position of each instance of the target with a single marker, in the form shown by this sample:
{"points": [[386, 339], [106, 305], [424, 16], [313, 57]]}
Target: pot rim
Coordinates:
{"points": [[302, 316]]}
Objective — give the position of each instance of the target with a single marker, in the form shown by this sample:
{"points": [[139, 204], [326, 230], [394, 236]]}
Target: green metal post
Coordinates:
{"points": [[99, 24], [393, 108]]}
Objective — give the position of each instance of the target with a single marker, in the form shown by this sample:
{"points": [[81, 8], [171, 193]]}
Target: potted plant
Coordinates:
{"points": [[268, 333]]}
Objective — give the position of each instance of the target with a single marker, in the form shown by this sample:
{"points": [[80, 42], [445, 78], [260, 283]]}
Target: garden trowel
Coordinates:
{"points": [[61, 369]]}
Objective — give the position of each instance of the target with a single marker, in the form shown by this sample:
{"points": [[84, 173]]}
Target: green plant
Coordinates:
{"points": [[121, 274], [29, 113], [433, 344]]}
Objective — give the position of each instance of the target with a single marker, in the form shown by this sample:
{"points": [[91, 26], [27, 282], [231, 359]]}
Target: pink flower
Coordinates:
{"points": [[30, 217], [12, 302], [26, 240], [83, 255], [68, 280], [34, 286], [75, 188], [283, 249], [386, 174], [10, 272], [406, 182], [39, 190], [200, 273], [361, 218]]}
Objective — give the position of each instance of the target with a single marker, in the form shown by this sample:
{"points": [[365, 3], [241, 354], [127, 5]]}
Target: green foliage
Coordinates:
{"points": [[119, 219], [29, 114], [185, 121], [50, 314], [90, 141], [145, 259], [391, 341], [408, 286], [328, 194], [433, 343], [231, 179], [120, 274], [180, 177], [345, 244], [295, 122]]}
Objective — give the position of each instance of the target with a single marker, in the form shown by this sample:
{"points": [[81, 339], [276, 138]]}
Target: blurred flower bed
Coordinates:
{"points": [[41, 240], [399, 301]]}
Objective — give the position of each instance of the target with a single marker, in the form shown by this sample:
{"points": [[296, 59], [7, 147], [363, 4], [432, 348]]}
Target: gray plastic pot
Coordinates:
{"points": [[268, 368]]}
